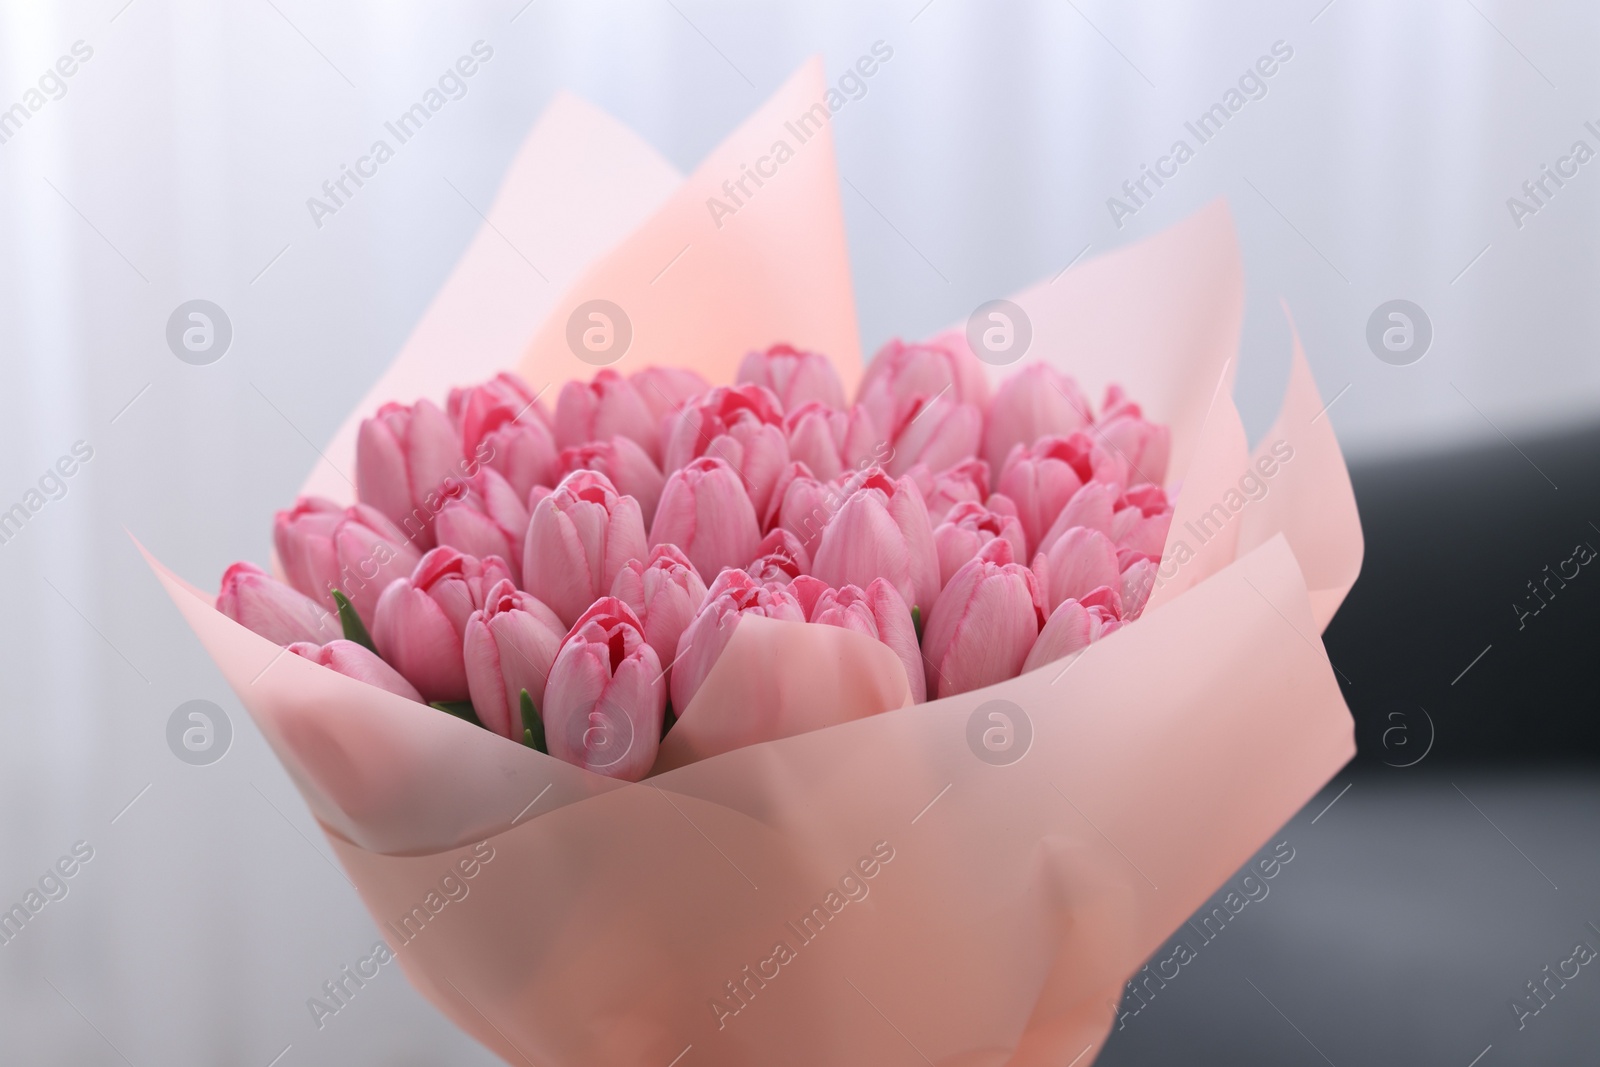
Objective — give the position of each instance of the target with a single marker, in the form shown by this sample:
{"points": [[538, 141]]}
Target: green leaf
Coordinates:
{"points": [[916, 621], [461, 709], [532, 725], [354, 629]]}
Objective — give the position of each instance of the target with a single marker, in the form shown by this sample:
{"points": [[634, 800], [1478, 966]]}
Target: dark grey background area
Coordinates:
{"points": [[1377, 167], [1400, 933]]}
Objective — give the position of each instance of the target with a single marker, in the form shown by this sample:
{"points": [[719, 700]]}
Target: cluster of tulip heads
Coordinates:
{"points": [[568, 581]]}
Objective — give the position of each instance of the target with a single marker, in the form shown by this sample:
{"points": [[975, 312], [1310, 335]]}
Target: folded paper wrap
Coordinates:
{"points": [[820, 872]]}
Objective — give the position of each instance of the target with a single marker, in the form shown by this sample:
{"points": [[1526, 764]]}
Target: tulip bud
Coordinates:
{"points": [[488, 519], [1142, 520], [666, 389], [257, 601], [503, 425], [420, 620], [1037, 401], [474, 404], [603, 408], [358, 662], [780, 558], [1079, 561], [880, 613], [1092, 506], [793, 376], [302, 536], [899, 373], [666, 593], [1144, 446], [509, 646], [829, 441], [408, 463], [628, 466], [606, 699], [1138, 581], [579, 538], [706, 512], [1071, 628], [741, 424], [803, 505], [1041, 478], [967, 529], [937, 431], [881, 530], [370, 552], [733, 594], [964, 481], [983, 624]]}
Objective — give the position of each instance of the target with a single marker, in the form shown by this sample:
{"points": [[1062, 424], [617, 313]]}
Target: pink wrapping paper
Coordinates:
{"points": [[1008, 898]]}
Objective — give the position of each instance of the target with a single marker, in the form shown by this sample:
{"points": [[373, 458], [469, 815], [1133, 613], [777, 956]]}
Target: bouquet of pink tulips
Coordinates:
{"points": [[569, 581], [768, 728]]}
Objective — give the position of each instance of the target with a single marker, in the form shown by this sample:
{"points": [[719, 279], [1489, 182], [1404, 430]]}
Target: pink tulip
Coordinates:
{"points": [[881, 530], [780, 558], [879, 612], [829, 441], [733, 594], [665, 391], [1071, 628], [628, 466], [966, 529], [964, 481], [1138, 582], [1037, 401], [740, 424], [807, 590], [1041, 478], [983, 624], [503, 425], [1142, 520], [509, 645], [793, 376], [469, 407], [408, 463], [606, 700], [600, 409], [900, 373], [489, 519], [1079, 561], [1144, 446], [259, 602], [421, 620], [666, 593], [356, 661], [802, 505], [705, 511], [1092, 506], [355, 550], [580, 536], [936, 431], [302, 536]]}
